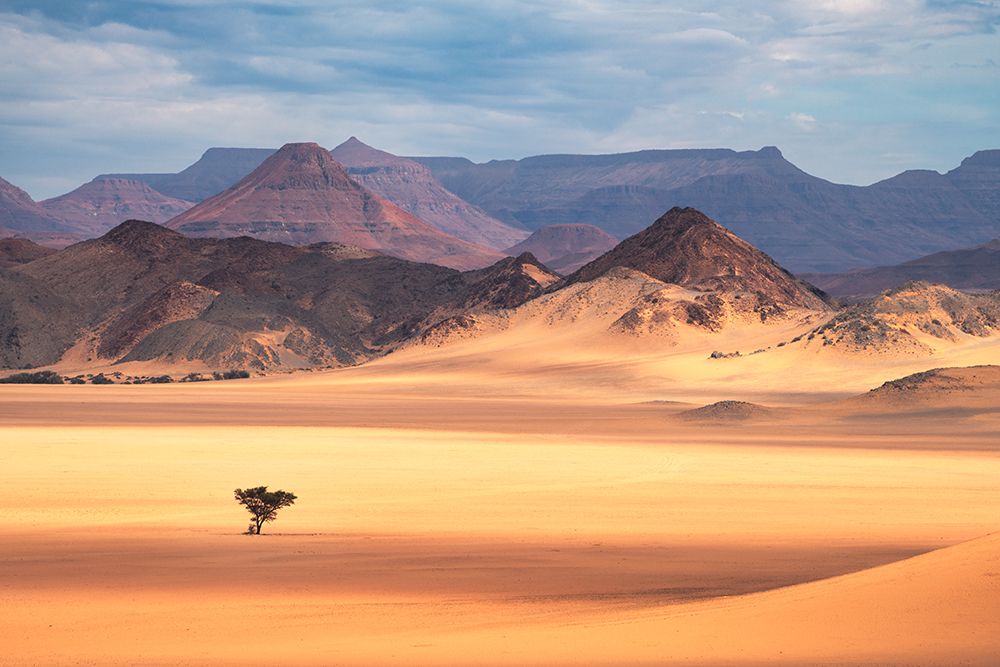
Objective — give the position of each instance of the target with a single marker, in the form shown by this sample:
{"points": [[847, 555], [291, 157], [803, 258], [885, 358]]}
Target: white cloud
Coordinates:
{"points": [[803, 121]]}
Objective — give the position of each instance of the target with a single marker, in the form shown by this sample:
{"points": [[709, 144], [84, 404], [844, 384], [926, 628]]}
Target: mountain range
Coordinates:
{"points": [[143, 293], [411, 186], [975, 268], [805, 222], [808, 224]]}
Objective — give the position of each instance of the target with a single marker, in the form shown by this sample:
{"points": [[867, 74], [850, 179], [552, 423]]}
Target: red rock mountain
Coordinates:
{"points": [[685, 247], [411, 186], [301, 195], [20, 215], [565, 248], [99, 205]]}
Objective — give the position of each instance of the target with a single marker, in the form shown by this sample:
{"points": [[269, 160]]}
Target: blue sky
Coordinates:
{"points": [[850, 90]]}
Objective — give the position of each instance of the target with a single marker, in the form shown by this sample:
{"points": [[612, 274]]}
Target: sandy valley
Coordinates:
{"points": [[494, 510]]}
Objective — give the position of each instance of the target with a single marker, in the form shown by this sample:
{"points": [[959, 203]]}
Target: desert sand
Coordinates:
{"points": [[517, 498]]}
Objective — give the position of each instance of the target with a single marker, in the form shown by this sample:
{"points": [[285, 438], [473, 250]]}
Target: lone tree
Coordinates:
{"points": [[263, 505]]}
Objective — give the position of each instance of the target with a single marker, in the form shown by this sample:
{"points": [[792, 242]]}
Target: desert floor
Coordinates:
{"points": [[458, 508]]}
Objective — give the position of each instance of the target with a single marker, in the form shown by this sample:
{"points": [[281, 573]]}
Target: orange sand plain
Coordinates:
{"points": [[475, 505]]}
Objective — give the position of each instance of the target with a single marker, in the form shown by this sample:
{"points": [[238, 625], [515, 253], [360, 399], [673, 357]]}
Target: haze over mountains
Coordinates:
{"points": [[95, 207], [975, 268], [411, 186], [806, 223]]}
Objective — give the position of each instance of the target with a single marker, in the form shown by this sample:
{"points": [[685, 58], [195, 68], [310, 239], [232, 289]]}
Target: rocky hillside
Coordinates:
{"points": [[565, 248], [15, 251], [143, 292], [411, 186], [914, 319], [687, 248]]}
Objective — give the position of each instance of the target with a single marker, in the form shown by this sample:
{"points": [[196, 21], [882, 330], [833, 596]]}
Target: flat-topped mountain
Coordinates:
{"points": [[97, 206], [301, 195], [216, 170], [687, 248], [805, 222], [975, 268], [565, 248], [411, 186]]}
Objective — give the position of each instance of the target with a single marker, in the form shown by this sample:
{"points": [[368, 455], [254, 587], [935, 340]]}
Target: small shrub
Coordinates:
{"points": [[76, 380], [194, 377], [101, 378], [231, 375], [160, 379], [38, 377]]}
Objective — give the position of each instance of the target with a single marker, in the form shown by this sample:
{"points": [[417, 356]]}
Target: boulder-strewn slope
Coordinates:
{"points": [[975, 268], [912, 320], [805, 222], [143, 292], [565, 248], [687, 248], [411, 186], [301, 195]]}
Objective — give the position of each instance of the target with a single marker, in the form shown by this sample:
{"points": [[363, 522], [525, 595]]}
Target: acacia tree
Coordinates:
{"points": [[262, 504]]}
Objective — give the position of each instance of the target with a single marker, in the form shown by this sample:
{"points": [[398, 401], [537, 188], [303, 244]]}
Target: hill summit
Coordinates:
{"points": [[302, 195], [685, 247]]}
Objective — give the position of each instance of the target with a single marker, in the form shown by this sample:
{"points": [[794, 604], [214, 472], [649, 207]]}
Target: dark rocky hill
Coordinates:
{"points": [[145, 292]]}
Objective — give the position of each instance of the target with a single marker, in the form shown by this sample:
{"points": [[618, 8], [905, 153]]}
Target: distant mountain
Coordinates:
{"points": [[143, 292], [216, 170], [411, 186], [20, 215], [805, 222], [687, 248], [975, 268], [301, 195], [565, 248], [15, 251], [97, 206]]}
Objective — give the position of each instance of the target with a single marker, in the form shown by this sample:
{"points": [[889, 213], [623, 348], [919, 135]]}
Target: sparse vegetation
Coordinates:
{"points": [[231, 375], [101, 378], [37, 377], [263, 505]]}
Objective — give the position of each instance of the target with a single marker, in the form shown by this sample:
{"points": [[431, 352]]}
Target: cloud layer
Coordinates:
{"points": [[852, 90]]}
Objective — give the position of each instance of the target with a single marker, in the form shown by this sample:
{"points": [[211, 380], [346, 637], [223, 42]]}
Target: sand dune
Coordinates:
{"points": [[526, 495]]}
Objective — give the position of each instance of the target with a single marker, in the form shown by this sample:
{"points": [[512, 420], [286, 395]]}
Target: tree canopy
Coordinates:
{"points": [[262, 504]]}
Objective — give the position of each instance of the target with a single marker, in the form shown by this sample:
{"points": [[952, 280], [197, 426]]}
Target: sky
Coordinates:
{"points": [[851, 90]]}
